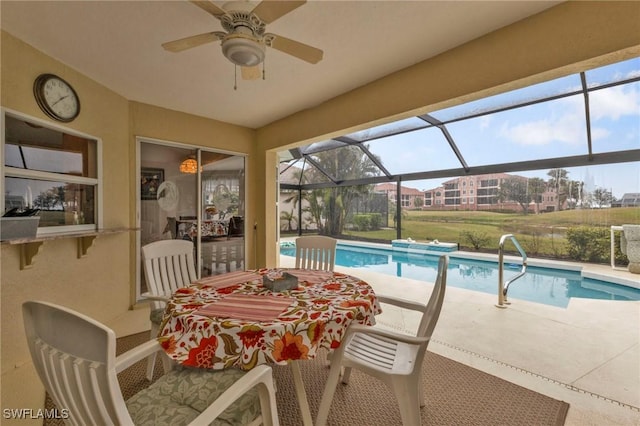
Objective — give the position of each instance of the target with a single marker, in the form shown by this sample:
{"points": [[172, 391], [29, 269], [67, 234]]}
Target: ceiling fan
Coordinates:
{"points": [[245, 39]]}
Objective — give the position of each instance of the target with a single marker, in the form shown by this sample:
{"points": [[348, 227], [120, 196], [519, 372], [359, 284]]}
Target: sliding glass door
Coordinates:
{"points": [[197, 195], [222, 213]]}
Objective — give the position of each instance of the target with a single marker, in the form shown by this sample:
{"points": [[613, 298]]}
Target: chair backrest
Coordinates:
{"points": [[434, 306], [74, 356], [236, 226], [168, 266], [316, 252]]}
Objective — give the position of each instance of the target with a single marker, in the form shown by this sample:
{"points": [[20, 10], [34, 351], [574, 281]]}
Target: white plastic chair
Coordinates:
{"points": [[168, 266], [316, 252], [394, 358], [75, 357]]}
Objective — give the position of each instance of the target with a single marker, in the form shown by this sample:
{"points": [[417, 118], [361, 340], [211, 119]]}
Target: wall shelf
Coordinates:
{"points": [[30, 247]]}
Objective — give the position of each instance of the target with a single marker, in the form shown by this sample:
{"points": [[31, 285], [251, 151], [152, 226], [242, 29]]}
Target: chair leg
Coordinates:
{"points": [[151, 360], [329, 391], [346, 374], [408, 399]]}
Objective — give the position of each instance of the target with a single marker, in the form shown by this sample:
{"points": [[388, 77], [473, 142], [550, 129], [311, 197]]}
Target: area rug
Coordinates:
{"points": [[456, 395]]}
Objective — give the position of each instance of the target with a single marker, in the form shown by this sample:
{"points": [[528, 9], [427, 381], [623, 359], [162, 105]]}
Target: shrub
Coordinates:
{"points": [[367, 221], [362, 222], [476, 239], [376, 221], [533, 245], [588, 244]]}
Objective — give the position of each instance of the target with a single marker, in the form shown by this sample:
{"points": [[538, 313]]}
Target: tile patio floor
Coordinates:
{"points": [[587, 354]]}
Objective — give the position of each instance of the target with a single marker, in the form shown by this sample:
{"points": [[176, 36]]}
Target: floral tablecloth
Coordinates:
{"points": [[320, 310]]}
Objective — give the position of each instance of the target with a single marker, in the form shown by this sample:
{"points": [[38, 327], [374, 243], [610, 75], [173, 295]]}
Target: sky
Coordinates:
{"points": [[551, 129]]}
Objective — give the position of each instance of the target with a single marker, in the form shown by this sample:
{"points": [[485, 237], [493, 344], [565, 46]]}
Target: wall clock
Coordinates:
{"points": [[56, 97]]}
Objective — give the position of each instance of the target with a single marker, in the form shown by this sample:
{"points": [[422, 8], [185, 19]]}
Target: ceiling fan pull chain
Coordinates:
{"points": [[235, 77]]}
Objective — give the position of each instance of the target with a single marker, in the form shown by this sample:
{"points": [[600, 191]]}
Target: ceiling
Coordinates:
{"points": [[118, 44]]}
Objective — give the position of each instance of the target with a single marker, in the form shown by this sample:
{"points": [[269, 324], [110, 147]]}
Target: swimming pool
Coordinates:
{"points": [[549, 286]]}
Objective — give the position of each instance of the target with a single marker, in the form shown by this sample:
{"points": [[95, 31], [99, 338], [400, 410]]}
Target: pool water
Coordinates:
{"points": [[541, 285]]}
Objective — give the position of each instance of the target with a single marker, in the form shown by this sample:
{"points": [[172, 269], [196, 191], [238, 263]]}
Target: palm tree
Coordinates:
{"points": [[536, 187], [559, 179], [296, 197], [290, 218], [346, 163]]}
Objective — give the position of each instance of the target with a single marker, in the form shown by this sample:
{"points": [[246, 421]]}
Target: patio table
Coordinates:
{"points": [[232, 320]]}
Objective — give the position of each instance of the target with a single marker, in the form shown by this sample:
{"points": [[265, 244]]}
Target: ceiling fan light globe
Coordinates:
{"points": [[243, 52]]}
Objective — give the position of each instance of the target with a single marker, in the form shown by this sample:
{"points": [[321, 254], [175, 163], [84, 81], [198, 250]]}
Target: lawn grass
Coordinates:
{"points": [[540, 234]]}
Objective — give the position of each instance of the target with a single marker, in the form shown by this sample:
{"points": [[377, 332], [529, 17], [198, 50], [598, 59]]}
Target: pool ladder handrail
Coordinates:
{"points": [[503, 286]]}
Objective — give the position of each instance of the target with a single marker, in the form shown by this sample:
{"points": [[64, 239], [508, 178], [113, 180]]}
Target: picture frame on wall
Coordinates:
{"points": [[150, 180]]}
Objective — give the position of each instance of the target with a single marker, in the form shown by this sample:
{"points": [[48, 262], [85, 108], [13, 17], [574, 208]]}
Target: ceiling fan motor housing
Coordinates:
{"points": [[243, 45], [243, 51]]}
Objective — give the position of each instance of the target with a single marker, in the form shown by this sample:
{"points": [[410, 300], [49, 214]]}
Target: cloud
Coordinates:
{"points": [[568, 128], [615, 102], [565, 118], [485, 121]]}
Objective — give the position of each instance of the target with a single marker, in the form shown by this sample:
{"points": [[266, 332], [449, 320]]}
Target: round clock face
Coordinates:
{"points": [[56, 97]]}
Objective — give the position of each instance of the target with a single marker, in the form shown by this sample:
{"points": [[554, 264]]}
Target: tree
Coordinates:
{"points": [[315, 209], [290, 218], [515, 189], [536, 187], [602, 197], [50, 198], [297, 196], [418, 202], [575, 194], [333, 204], [559, 179]]}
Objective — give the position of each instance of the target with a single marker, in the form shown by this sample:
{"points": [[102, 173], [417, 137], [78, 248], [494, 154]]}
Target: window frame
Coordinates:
{"points": [[14, 172]]}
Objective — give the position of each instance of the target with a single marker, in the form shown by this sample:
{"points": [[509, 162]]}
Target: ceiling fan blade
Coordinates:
{"points": [[192, 41], [270, 10], [251, 73], [209, 7], [295, 48]]}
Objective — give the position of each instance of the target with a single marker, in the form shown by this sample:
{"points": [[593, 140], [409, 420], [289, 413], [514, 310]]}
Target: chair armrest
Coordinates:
{"points": [[260, 376], [366, 329], [158, 297], [134, 355], [402, 303]]}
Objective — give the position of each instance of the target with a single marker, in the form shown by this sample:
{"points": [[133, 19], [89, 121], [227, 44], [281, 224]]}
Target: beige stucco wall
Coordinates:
{"points": [[90, 284], [100, 284], [550, 44]]}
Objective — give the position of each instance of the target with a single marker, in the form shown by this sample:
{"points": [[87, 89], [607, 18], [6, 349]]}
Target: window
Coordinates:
{"points": [[488, 182], [51, 169]]}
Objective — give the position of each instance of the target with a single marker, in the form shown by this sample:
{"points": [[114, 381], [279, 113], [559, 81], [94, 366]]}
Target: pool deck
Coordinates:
{"points": [[587, 354]]}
